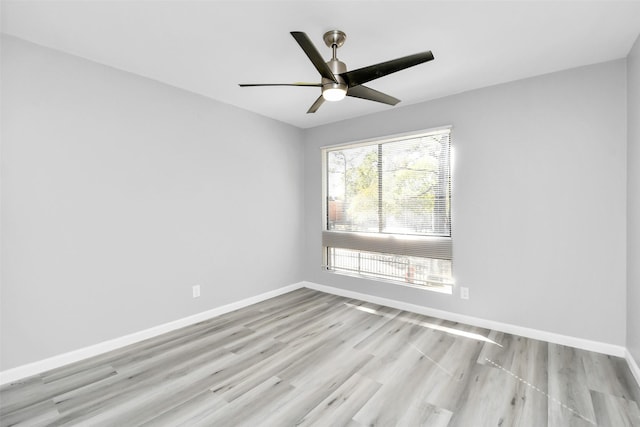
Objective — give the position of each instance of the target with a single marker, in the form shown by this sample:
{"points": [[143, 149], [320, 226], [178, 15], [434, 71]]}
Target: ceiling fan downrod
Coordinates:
{"points": [[334, 90], [334, 39]]}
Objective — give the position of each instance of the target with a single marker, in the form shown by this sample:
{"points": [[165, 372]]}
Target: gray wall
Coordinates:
{"points": [[539, 201], [633, 202], [120, 193]]}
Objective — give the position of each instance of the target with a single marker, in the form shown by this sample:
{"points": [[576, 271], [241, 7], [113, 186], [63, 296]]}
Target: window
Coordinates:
{"points": [[387, 210]]}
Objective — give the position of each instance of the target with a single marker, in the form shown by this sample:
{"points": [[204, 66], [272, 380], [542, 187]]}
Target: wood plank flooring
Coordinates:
{"points": [[309, 358]]}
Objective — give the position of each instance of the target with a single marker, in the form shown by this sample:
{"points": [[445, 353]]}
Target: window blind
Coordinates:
{"points": [[424, 247]]}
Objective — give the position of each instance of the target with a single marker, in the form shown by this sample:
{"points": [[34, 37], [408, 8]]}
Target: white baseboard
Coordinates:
{"points": [[599, 347], [14, 374], [633, 366]]}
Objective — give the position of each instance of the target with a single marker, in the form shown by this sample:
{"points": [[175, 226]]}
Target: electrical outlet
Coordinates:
{"points": [[195, 290], [464, 293]]}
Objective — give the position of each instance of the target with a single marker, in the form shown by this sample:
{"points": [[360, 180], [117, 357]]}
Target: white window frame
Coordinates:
{"points": [[434, 247]]}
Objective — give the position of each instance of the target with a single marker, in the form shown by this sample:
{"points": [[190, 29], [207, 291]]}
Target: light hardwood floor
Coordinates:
{"points": [[310, 358]]}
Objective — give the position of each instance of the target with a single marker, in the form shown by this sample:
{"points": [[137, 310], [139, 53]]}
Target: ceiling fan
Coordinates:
{"points": [[337, 82]]}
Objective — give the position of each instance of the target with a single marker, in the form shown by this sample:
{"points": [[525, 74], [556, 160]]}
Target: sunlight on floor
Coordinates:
{"points": [[434, 326]]}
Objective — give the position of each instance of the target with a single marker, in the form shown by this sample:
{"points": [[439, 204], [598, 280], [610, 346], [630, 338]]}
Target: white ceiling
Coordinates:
{"points": [[208, 47]]}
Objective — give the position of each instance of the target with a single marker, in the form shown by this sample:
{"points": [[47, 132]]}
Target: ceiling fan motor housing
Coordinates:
{"points": [[337, 67]]}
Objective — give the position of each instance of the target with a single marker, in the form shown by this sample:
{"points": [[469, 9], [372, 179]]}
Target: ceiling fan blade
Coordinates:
{"points": [[314, 107], [365, 92], [305, 43], [281, 84], [366, 74]]}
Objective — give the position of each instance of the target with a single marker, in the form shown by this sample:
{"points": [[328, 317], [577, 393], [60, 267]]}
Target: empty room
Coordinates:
{"points": [[266, 213]]}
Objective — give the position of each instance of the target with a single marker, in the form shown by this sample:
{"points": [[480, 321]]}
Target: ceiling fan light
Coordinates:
{"points": [[334, 94]]}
